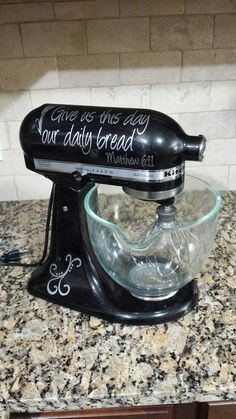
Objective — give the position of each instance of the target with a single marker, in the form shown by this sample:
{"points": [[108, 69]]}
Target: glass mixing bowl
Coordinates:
{"points": [[150, 257]]}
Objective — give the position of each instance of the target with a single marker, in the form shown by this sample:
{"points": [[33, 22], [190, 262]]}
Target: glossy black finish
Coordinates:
{"points": [[83, 285], [142, 150], [110, 137]]}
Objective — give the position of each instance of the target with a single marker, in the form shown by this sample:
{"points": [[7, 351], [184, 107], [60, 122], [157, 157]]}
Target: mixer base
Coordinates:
{"points": [[126, 310], [72, 276]]}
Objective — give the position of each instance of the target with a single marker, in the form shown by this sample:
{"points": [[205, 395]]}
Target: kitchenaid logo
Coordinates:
{"points": [[174, 172], [91, 129]]}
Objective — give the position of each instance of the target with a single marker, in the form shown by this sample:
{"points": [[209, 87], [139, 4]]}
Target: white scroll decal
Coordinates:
{"points": [[58, 287]]}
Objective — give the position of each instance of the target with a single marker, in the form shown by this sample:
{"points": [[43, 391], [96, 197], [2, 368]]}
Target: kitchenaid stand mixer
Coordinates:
{"points": [[92, 265]]}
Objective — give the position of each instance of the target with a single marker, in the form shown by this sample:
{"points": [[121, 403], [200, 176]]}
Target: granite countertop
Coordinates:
{"points": [[54, 358]]}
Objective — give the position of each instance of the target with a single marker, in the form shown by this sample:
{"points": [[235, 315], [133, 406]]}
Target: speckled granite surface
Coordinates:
{"points": [[54, 358]]}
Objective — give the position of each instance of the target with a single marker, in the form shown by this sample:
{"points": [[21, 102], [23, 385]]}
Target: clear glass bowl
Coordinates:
{"points": [[150, 258]]}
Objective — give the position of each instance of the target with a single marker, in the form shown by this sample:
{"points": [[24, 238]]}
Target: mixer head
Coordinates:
{"points": [[143, 151]]}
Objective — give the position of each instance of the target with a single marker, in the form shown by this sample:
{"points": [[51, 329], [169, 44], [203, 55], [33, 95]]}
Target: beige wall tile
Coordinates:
{"points": [[217, 176], [232, 178], [10, 42], [33, 187], [221, 153], [151, 7], [89, 70], [213, 64], [87, 9], [213, 125], [210, 6], [134, 96], [225, 31], [13, 163], [181, 97], [150, 67], [53, 38], [223, 95], [13, 129], [203, 102], [193, 164], [175, 116], [118, 35], [10, 13], [4, 142], [181, 32], [65, 96], [14, 106], [28, 73], [7, 188], [6, 164]]}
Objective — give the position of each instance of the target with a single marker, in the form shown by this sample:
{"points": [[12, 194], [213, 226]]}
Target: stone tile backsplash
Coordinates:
{"points": [[175, 56], [181, 32]]}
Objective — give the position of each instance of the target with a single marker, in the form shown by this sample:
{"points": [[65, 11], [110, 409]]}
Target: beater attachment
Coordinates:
{"points": [[163, 252]]}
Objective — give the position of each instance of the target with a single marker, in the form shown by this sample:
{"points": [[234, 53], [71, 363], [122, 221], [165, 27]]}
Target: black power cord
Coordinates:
{"points": [[13, 257]]}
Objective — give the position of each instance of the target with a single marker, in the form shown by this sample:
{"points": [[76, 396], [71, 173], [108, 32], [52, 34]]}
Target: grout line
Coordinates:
{"points": [[31, 22], [210, 92], [21, 40], [57, 73], [185, 7], [102, 18], [150, 34], [8, 134], [213, 33], [86, 37], [181, 66], [233, 49], [90, 95], [207, 49], [119, 8], [119, 62], [158, 84], [228, 176], [53, 10], [17, 192], [149, 94], [31, 100]]}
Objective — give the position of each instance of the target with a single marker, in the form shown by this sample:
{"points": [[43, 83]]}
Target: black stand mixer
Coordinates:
{"points": [[143, 152]]}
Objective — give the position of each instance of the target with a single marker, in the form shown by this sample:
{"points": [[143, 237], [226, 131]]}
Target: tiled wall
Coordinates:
{"points": [[175, 56]]}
